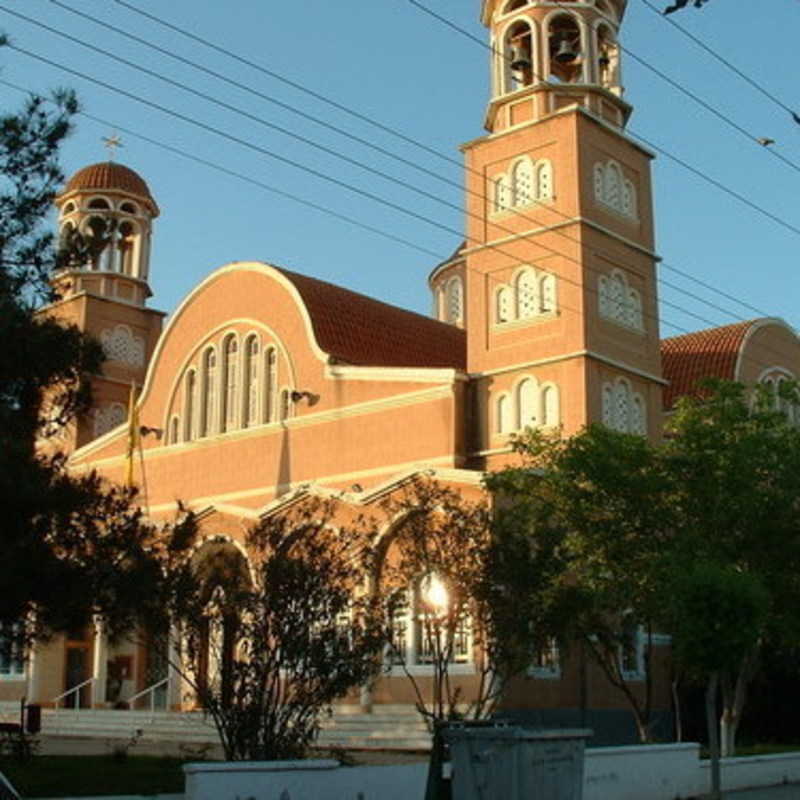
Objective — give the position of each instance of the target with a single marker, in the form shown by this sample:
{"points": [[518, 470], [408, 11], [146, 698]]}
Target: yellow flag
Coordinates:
{"points": [[133, 436]]}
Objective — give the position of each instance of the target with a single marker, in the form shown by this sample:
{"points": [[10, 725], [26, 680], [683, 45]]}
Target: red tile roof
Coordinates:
{"points": [[711, 353], [110, 176], [358, 330]]}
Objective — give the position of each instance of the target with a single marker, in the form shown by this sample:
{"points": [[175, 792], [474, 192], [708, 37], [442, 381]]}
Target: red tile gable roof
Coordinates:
{"points": [[711, 353], [356, 329]]}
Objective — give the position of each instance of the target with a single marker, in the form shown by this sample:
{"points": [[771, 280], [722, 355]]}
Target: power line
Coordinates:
{"points": [[676, 159], [330, 151], [340, 131], [384, 175], [731, 66], [421, 145]]}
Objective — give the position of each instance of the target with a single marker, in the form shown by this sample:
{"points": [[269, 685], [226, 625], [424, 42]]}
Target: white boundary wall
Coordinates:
{"points": [[657, 772]]}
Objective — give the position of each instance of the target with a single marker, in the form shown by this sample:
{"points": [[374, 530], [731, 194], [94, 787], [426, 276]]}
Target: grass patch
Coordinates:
{"points": [[86, 776]]}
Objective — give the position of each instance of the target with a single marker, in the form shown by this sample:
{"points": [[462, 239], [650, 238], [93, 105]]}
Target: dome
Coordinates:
{"points": [[110, 177]]}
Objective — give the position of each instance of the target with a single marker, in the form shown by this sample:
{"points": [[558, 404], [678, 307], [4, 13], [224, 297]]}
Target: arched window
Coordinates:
{"points": [[547, 293], [250, 415], [526, 404], [612, 189], [189, 389], [544, 180], [208, 393], [230, 382], [68, 209], [565, 49], [270, 384], [455, 300], [99, 202], [503, 414], [502, 194], [607, 58], [504, 304], [513, 5], [527, 290], [618, 302], [98, 238], [129, 208], [518, 65], [623, 409], [125, 247], [604, 296], [617, 297], [522, 182], [549, 413]]}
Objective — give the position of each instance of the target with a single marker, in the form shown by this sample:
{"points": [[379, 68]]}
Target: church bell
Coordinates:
{"points": [[520, 60], [566, 52]]}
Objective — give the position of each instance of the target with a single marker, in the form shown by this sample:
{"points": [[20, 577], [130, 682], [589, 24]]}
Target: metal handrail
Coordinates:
{"points": [[72, 691], [151, 690]]}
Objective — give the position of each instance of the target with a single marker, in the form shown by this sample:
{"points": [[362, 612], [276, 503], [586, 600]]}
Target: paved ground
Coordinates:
{"points": [[787, 792]]}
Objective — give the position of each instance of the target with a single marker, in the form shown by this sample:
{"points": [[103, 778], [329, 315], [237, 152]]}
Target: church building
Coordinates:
{"points": [[266, 384]]}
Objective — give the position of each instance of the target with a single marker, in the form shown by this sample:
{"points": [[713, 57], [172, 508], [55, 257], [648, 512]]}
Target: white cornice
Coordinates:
{"points": [[613, 362], [394, 374]]}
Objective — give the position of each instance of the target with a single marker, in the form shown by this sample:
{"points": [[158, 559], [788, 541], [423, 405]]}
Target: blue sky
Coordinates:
{"points": [[391, 62]]}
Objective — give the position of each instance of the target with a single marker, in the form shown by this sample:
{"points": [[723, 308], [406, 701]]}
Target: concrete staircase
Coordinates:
{"points": [[388, 728]]}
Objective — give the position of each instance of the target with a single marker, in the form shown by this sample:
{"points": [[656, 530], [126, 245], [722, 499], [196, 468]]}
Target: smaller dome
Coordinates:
{"points": [[110, 177]]}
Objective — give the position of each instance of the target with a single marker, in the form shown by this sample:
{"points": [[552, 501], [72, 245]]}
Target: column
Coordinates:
{"points": [[99, 663], [175, 684]]}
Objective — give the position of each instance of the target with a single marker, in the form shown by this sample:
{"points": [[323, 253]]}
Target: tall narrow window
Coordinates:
{"points": [[544, 180], [208, 399], [504, 304], [250, 382], [608, 406], [503, 414], [174, 430], [230, 383], [286, 405], [622, 407], [549, 406], [502, 194], [526, 404], [188, 405], [547, 293], [638, 421], [270, 383]]}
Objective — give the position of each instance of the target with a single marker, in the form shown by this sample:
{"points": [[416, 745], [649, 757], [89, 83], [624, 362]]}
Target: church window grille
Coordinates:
{"points": [[502, 194], [527, 301], [622, 403], [455, 300], [270, 383], [623, 409], [109, 417], [608, 406], [613, 190], [251, 381], [230, 383], [544, 180], [522, 182], [504, 304], [120, 345], [618, 302], [208, 399], [638, 423], [547, 293]]}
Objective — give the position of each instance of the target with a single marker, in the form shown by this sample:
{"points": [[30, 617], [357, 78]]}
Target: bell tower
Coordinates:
{"points": [[558, 266], [106, 213]]}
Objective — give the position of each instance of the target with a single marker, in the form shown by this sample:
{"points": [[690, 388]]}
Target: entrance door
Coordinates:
{"points": [[77, 670]]}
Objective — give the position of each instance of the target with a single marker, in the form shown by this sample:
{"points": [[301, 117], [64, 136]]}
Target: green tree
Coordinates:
{"points": [[271, 640], [72, 546], [733, 461], [716, 613], [597, 500]]}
